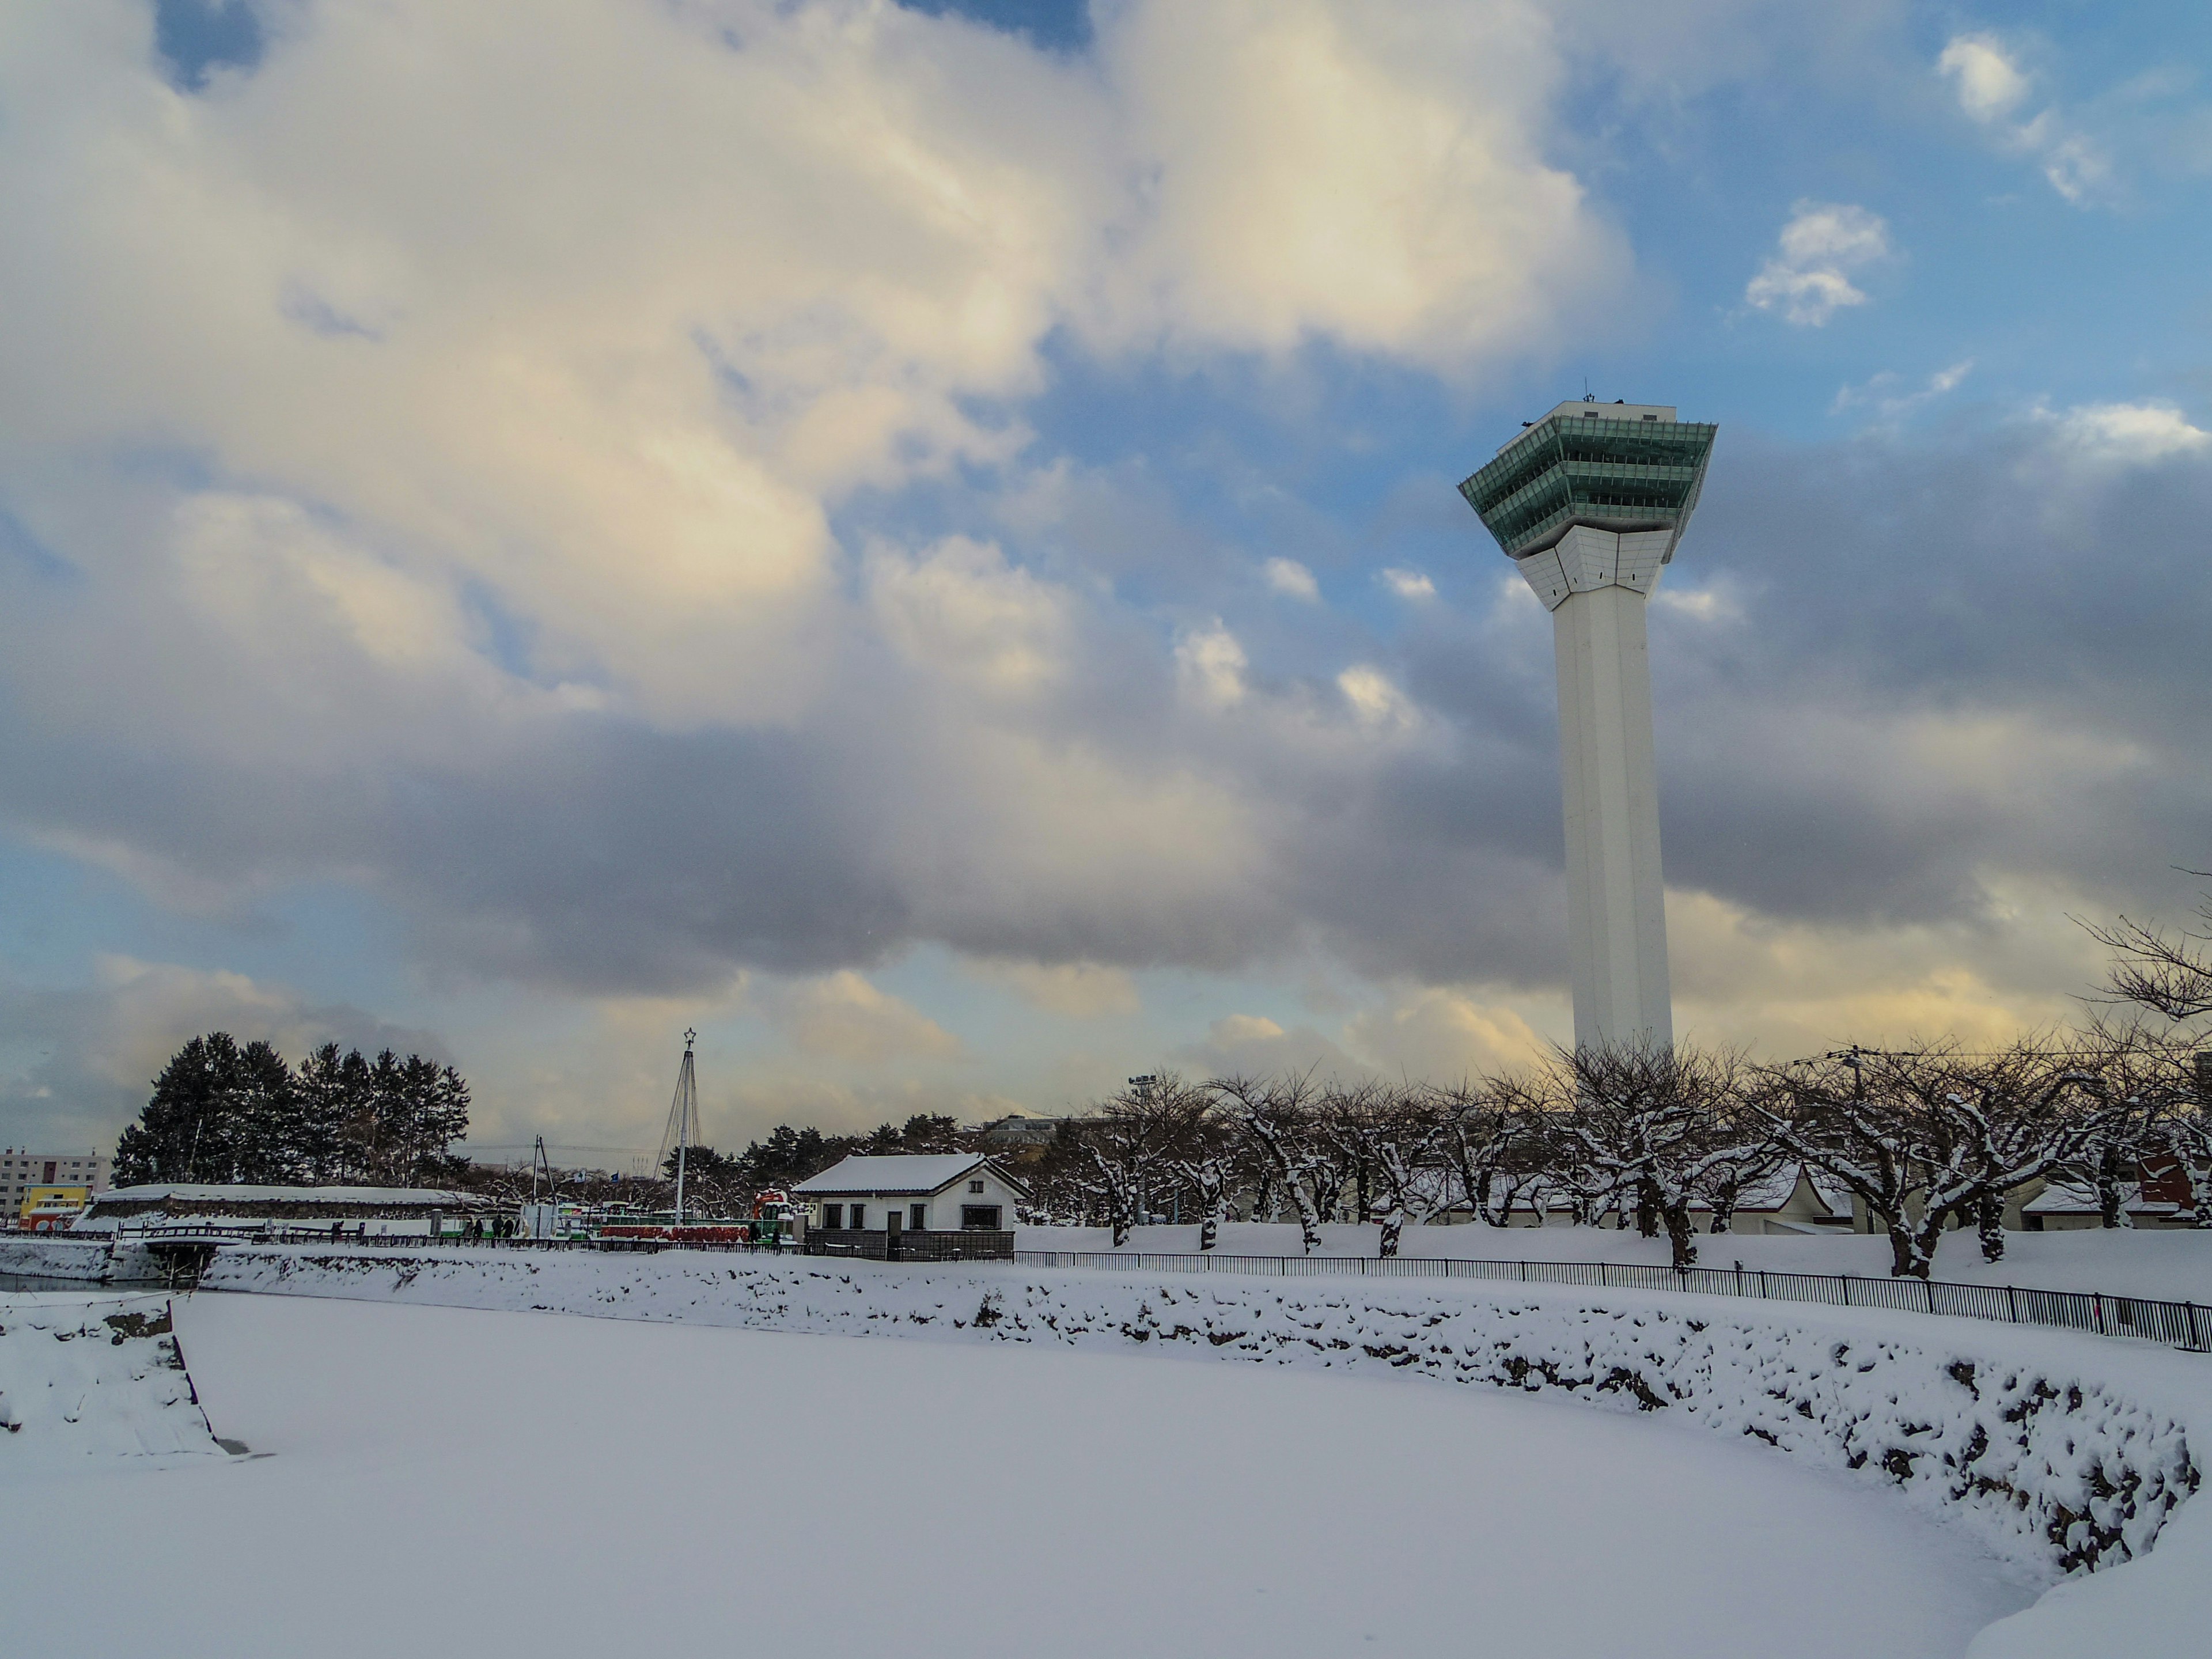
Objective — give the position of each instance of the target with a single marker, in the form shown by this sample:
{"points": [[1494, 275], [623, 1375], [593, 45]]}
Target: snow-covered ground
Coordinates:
{"points": [[491, 1482], [2174, 1266]]}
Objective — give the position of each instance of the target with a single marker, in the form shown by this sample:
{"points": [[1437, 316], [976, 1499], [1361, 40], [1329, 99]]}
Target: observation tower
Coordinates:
{"points": [[1590, 502]]}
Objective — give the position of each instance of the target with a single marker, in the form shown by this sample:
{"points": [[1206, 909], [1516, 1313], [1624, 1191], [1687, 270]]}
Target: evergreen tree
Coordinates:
{"points": [[219, 1113]]}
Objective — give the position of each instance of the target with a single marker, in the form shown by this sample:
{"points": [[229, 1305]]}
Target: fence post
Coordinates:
{"points": [[2195, 1341], [1524, 1270], [1928, 1286], [2097, 1303], [1762, 1284], [2012, 1304], [1846, 1279]]}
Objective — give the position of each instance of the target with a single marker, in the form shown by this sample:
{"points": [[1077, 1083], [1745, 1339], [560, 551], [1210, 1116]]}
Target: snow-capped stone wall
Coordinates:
{"points": [[2022, 1436], [84, 1379]]}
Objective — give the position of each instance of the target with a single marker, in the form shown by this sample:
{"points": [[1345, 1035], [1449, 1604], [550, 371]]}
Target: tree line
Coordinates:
{"points": [[1924, 1139], [1652, 1137], [221, 1112]]}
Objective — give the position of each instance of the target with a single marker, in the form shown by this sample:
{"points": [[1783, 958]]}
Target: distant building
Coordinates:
{"points": [[20, 1172], [954, 1192], [380, 1210], [1017, 1131]]}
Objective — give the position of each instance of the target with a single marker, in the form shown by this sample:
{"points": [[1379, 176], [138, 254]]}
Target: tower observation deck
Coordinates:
{"points": [[1590, 502]]}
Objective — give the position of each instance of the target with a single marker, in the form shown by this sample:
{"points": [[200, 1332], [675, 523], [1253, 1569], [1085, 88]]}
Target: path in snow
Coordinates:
{"points": [[510, 1482]]}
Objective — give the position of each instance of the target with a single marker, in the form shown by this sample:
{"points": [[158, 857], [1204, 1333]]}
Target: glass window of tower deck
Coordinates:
{"points": [[1617, 466]]}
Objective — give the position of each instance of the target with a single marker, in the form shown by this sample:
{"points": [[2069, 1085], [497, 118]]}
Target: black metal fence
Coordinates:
{"points": [[2177, 1324], [969, 1245]]}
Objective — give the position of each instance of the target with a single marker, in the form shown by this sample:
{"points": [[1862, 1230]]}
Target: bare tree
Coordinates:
{"points": [[1935, 1137], [1495, 1142], [1661, 1122], [2169, 974], [1393, 1138], [1277, 1114], [1137, 1145]]}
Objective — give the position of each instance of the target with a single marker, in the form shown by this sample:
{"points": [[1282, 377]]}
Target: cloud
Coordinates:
{"points": [[1443, 1036], [1375, 700], [1990, 84], [1289, 577], [76, 1062], [2126, 434], [1409, 584], [1212, 666], [842, 1017], [1809, 280], [1885, 395], [1077, 990]]}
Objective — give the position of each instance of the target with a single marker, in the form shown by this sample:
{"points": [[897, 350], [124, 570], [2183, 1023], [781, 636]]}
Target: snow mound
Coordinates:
{"points": [[2058, 1454], [84, 1380]]}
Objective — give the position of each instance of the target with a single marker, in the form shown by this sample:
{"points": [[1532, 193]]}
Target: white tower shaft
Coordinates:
{"points": [[1616, 895]]}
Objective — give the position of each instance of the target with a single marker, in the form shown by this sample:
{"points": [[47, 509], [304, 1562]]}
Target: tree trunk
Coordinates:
{"points": [[1647, 1209], [1394, 1227], [1680, 1235], [1989, 1222]]}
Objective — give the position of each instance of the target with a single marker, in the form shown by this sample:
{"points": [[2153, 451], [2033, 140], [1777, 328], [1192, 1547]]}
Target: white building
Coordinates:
{"points": [[952, 1192], [20, 1172]]}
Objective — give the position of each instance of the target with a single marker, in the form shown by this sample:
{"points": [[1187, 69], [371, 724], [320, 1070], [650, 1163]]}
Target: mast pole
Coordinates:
{"points": [[686, 1105]]}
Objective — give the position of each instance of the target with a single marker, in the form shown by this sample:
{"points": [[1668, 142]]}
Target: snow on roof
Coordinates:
{"points": [[2064, 1198], [427, 1197], [917, 1173]]}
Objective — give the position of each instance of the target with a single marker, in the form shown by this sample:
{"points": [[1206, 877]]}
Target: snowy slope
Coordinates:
{"points": [[509, 1483]]}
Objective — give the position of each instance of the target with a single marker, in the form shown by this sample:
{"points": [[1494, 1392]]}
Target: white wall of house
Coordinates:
{"points": [[941, 1212]]}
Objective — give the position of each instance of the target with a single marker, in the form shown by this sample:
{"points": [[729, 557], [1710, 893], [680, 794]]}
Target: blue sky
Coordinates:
{"points": [[922, 541]]}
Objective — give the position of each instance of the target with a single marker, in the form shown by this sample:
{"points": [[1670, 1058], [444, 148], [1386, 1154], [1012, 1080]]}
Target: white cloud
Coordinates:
{"points": [[960, 611], [1990, 84], [1884, 392], [1809, 280], [2126, 433], [1289, 577], [1212, 666], [1369, 173], [1409, 584], [1377, 702]]}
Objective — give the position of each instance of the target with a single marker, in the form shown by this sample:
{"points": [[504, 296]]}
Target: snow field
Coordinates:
{"points": [[500, 1482], [2054, 1453]]}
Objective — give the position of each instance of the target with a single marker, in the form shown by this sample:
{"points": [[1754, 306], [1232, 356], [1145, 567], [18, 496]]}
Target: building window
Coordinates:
{"points": [[833, 1215], [979, 1218], [975, 1186], [859, 1216], [917, 1217]]}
